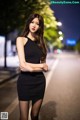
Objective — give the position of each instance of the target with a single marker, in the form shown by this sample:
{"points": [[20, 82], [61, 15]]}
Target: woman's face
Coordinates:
{"points": [[34, 25]]}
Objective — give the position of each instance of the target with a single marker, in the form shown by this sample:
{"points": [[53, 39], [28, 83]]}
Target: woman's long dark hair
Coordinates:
{"points": [[39, 33]]}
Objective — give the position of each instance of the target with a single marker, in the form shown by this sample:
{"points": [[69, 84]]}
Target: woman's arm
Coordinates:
{"points": [[30, 68], [20, 50], [38, 67]]}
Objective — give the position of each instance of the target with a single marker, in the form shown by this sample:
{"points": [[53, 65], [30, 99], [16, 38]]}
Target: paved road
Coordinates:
{"points": [[62, 97]]}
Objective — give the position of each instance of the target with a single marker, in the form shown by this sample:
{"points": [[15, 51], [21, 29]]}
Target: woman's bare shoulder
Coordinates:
{"points": [[22, 40]]}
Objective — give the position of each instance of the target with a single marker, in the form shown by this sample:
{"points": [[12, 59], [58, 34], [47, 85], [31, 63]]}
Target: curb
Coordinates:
{"points": [[13, 74], [7, 79]]}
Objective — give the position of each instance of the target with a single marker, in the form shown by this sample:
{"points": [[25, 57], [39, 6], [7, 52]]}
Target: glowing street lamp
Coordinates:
{"points": [[60, 32], [61, 38], [59, 23]]}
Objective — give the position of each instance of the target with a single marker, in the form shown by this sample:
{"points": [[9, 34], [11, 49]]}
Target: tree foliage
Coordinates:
{"points": [[77, 47]]}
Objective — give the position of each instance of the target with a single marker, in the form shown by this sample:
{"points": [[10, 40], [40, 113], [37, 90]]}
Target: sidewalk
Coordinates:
{"points": [[8, 73]]}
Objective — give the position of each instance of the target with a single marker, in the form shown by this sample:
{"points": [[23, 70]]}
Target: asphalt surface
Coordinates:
{"points": [[62, 95], [8, 73]]}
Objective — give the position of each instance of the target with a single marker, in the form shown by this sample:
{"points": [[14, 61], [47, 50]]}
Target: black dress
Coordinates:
{"points": [[31, 85]]}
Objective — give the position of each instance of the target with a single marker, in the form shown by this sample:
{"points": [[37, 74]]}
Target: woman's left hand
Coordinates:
{"points": [[45, 67]]}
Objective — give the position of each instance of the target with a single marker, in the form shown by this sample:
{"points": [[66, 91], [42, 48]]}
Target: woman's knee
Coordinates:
{"points": [[23, 117], [34, 115]]}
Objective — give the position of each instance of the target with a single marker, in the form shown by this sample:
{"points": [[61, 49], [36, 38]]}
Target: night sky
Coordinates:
{"points": [[69, 15]]}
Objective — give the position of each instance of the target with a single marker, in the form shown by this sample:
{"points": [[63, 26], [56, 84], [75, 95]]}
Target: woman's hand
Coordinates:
{"points": [[45, 67]]}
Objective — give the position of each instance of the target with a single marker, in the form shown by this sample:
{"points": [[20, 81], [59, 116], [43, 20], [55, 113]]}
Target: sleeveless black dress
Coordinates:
{"points": [[31, 85]]}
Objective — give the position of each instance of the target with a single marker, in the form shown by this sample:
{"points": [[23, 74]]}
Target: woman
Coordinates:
{"points": [[32, 58]]}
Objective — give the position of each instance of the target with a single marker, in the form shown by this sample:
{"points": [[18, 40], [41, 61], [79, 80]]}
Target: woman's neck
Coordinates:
{"points": [[30, 35]]}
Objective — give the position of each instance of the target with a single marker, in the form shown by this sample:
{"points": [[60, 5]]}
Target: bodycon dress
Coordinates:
{"points": [[31, 85]]}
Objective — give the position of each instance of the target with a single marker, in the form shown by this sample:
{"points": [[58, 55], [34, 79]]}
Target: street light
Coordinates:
{"points": [[61, 38], [59, 23], [60, 32]]}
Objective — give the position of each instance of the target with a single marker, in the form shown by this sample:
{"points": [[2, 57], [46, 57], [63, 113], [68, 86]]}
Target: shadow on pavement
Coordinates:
{"points": [[48, 111]]}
